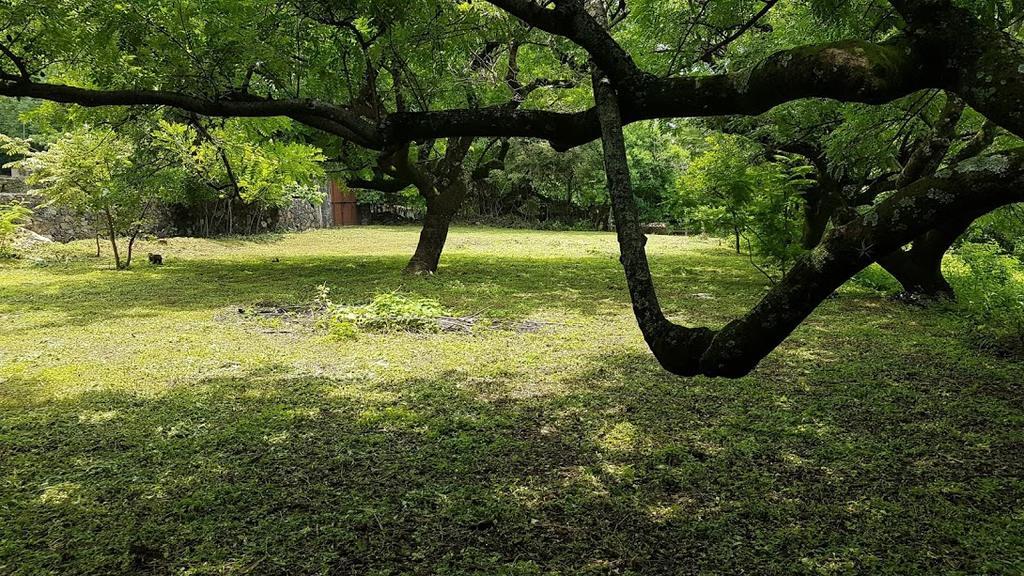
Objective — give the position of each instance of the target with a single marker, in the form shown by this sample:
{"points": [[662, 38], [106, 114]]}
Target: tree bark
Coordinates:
{"points": [[846, 250], [919, 270], [444, 189], [663, 337], [971, 189], [436, 223], [113, 238]]}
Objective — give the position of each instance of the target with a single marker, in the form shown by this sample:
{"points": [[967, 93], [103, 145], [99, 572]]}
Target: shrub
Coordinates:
{"points": [[389, 312], [13, 217], [990, 291]]}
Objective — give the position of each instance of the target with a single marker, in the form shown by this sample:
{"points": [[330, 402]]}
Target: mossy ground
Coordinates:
{"points": [[146, 428]]}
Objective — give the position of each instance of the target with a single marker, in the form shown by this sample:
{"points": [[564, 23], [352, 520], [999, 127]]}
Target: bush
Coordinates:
{"points": [[990, 292], [390, 312], [13, 217]]}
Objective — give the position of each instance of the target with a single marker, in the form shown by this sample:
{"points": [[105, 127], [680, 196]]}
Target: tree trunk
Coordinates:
{"points": [[442, 205], [431, 243], [919, 270], [920, 277], [131, 248], [113, 239], [602, 221]]}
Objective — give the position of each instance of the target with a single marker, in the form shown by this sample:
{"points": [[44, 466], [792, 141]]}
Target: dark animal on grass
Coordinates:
{"points": [[156, 259]]}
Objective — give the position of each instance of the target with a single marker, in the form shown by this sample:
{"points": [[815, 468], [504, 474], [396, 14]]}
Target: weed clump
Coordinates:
{"points": [[389, 312]]}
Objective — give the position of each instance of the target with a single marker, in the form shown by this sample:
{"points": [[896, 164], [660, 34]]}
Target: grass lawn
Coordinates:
{"points": [[147, 427]]}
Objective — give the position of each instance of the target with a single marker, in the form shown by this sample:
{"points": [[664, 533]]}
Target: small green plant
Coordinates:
{"points": [[13, 217], [342, 330], [875, 278], [390, 312]]}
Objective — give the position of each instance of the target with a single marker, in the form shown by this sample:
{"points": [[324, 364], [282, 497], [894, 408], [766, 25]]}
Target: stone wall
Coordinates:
{"points": [[64, 225], [303, 215], [55, 223]]}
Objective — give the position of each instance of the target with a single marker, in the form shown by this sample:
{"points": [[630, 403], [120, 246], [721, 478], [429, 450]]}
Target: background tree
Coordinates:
{"points": [[96, 172], [239, 162]]}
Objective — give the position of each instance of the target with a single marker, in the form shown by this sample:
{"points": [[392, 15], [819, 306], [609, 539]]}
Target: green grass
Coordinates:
{"points": [[147, 427]]}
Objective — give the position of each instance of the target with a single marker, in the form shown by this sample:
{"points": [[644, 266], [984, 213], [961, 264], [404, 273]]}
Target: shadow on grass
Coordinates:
{"points": [[626, 470], [507, 286]]}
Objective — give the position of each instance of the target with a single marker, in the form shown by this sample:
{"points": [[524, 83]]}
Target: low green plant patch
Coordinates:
{"points": [[389, 312]]}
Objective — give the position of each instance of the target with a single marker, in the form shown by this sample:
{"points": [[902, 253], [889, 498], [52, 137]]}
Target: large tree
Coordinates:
{"points": [[860, 154], [929, 44]]}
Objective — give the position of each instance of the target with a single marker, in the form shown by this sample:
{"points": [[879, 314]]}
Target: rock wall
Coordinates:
{"points": [[55, 223], [64, 225], [303, 215]]}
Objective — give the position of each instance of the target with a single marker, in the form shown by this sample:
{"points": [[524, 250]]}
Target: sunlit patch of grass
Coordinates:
{"points": [[145, 427]]}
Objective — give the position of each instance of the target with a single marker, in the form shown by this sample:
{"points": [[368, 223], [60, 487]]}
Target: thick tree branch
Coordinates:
{"points": [[663, 337], [962, 55], [975, 188], [327, 117], [569, 19], [851, 71]]}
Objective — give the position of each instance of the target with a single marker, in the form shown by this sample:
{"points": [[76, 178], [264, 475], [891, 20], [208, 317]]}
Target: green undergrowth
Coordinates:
{"points": [[388, 312]]}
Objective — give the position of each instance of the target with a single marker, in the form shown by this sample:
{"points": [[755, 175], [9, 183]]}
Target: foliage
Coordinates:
{"points": [[13, 217], [541, 184], [389, 312], [14, 122], [730, 189], [540, 187], [1004, 227], [876, 279], [100, 174], [237, 158], [990, 294], [717, 187], [776, 210]]}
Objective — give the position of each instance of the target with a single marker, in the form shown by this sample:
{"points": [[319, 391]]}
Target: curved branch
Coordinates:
{"points": [[975, 187], [569, 19]]}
